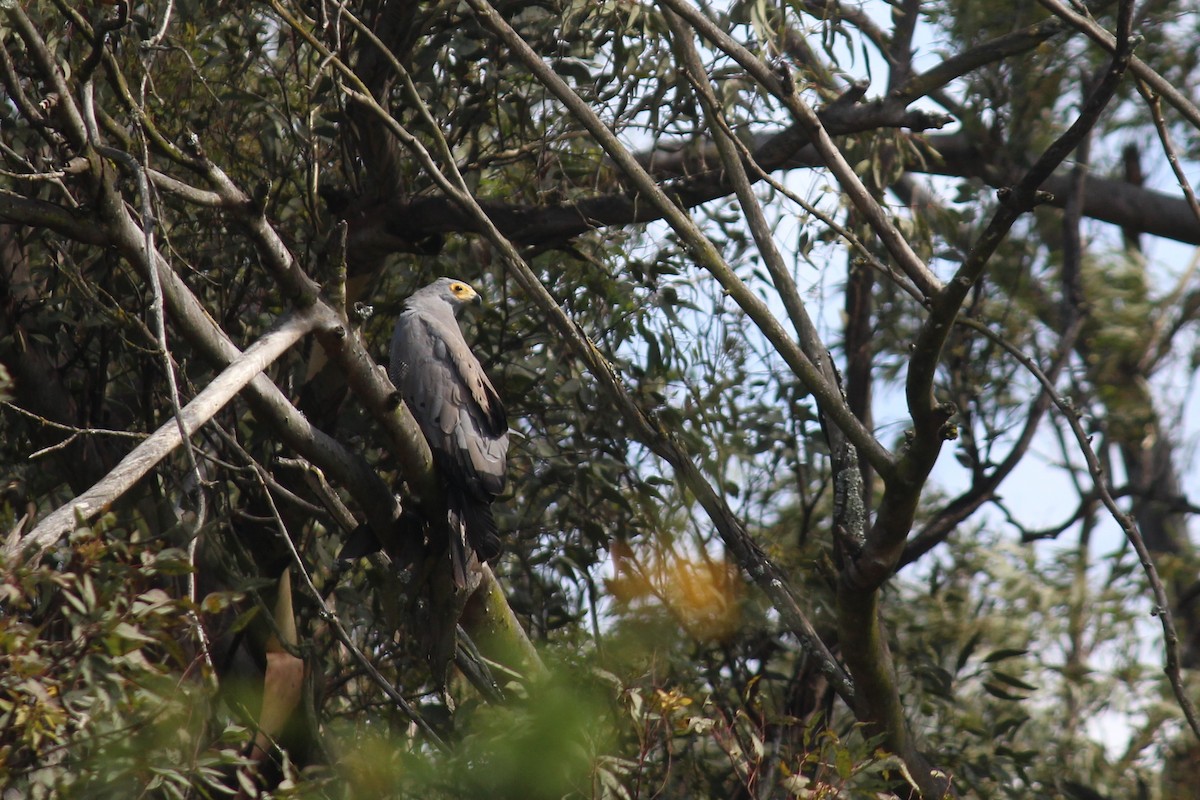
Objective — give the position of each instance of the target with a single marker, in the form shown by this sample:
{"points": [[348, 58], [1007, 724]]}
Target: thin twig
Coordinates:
{"points": [[1162, 609], [49, 423], [161, 33], [1154, 103]]}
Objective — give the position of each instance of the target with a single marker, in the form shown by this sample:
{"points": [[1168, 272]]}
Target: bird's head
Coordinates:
{"points": [[455, 292]]}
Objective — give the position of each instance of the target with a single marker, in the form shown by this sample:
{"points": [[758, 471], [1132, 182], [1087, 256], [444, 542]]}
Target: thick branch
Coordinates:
{"points": [[927, 417], [1115, 201], [843, 455], [149, 453], [685, 173], [33, 213], [864, 646]]}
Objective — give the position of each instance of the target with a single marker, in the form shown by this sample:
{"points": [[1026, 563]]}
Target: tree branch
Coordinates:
{"points": [[1162, 608], [154, 449], [827, 395], [684, 173], [864, 646], [989, 52], [33, 213], [784, 90], [960, 508], [928, 416], [71, 121]]}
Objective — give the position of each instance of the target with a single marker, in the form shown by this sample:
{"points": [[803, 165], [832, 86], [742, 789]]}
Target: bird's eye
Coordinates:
{"points": [[458, 288]]}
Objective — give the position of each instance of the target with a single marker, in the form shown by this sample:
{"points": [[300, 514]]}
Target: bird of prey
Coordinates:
{"points": [[459, 412]]}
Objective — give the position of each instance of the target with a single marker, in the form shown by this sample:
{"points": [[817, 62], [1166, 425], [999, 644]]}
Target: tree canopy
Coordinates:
{"points": [[847, 350]]}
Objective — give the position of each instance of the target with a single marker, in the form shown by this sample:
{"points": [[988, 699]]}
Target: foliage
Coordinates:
{"points": [[95, 697]]}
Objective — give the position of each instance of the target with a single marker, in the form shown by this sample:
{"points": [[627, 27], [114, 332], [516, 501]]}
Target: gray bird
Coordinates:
{"points": [[459, 412]]}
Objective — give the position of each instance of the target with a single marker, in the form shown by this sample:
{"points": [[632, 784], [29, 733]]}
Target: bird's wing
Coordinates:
{"points": [[470, 372], [452, 400]]}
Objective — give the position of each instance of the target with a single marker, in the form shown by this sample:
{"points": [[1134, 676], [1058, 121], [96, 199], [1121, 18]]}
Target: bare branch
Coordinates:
{"points": [[1164, 135], [186, 191], [760, 228], [146, 456], [72, 429]]}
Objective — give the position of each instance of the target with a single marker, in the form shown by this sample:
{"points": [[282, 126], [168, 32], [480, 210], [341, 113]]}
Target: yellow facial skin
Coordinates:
{"points": [[462, 291]]}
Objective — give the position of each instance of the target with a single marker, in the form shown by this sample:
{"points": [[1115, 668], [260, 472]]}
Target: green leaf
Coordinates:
{"points": [[996, 690], [125, 631], [1014, 682], [1003, 654], [967, 649]]}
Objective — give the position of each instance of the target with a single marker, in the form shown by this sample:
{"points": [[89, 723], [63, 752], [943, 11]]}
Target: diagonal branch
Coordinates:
{"points": [[849, 513], [980, 492], [760, 228], [1162, 608], [154, 449], [72, 122], [826, 394], [997, 49], [808, 121], [928, 415]]}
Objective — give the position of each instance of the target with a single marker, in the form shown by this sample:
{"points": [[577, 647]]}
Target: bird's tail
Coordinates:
{"points": [[460, 553], [482, 532], [472, 530]]}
